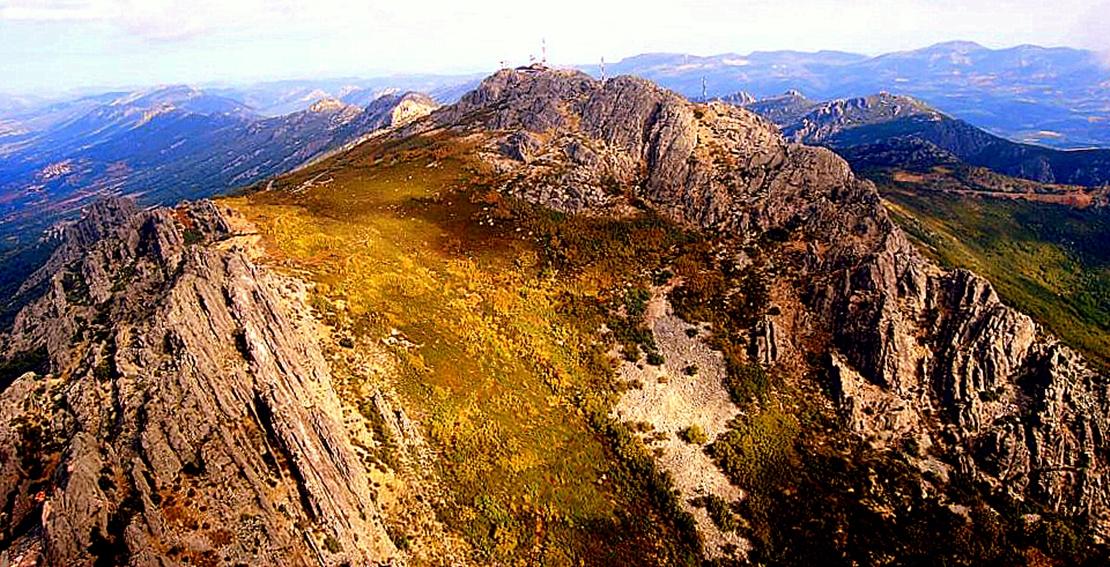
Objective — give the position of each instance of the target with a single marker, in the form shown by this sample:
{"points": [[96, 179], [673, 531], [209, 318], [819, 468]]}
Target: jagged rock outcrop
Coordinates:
{"points": [[739, 98], [913, 351], [173, 410], [393, 110], [836, 116]]}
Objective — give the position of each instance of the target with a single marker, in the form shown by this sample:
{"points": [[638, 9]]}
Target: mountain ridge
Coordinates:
{"points": [[900, 327], [153, 405], [1059, 92], [173, 143], [793, 272], [852, 125]]}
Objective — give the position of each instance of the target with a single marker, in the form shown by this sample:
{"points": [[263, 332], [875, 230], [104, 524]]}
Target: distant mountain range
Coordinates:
{"points": [[1052, 96], [890, 130], [176, 142], [276, 98], [1058, 97], [165, 145]]}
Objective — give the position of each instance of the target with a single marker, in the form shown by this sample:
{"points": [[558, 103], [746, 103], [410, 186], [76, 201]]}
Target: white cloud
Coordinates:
{"points": [[155, 19], [198, 40], [55, 10], [706, 25]]}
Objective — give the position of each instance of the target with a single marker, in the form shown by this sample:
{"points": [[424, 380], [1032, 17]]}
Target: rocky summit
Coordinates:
{"points": [[915, 352], [171, 398]]}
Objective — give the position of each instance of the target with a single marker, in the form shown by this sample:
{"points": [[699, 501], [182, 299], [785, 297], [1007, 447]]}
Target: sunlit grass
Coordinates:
{"points": [[493, 308], [500, 357]]}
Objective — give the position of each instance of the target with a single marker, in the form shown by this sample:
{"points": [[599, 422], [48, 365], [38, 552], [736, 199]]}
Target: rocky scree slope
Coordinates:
{"points": [[911, 352], [172, 410]]}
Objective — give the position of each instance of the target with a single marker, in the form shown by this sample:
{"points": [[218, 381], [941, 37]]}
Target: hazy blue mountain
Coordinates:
{"points": [[893, 130], [21, 123], [165, 145], [12, 104], [1052, 96], [762, 73], [784, 109], [276, 98]]}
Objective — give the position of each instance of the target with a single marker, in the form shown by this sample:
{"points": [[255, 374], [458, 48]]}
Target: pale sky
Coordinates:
{"points": [[61, 44]]}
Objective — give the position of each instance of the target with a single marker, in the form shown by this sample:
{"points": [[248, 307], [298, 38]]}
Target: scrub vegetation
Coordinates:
{"points": [[501, 310]]}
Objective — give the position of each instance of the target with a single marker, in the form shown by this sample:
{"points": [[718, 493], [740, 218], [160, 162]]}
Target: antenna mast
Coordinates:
{"points": [[603, 69], [544, 48]]}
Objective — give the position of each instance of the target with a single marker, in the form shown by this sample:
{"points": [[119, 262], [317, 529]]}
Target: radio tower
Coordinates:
{"points": [[544, 48], [603, 69]]}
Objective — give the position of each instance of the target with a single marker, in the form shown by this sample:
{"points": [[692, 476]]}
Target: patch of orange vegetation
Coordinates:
{"points": [[1077, 199], [906, 177], [181, 215]]}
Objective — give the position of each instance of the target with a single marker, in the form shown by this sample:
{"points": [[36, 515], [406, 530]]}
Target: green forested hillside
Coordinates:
{"points": [[1051, 261]]}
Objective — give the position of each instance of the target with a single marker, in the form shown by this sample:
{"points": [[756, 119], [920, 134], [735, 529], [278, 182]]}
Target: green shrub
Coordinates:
{"points": [[694, 435], [192, 236], [745, 381], [756, 448], [991, 395], [719, 511], [636, 301]]}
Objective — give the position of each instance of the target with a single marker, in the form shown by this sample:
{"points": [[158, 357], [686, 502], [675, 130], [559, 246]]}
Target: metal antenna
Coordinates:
{"points": [[544, 47], [603, 69]]}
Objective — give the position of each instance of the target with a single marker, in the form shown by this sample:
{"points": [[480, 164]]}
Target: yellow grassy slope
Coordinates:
{"points": [[492, 309]]}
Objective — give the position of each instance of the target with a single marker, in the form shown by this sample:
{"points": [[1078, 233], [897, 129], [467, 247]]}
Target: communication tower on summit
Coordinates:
{"points": [[603, 69], [543, 47]]}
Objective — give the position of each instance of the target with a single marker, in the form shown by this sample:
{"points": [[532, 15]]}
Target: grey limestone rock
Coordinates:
{"points": [[182, 416], [915, 351]]}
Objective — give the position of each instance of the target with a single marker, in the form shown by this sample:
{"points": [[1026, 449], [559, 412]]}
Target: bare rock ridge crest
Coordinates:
{"points": [[916, 351], [186, 416]]}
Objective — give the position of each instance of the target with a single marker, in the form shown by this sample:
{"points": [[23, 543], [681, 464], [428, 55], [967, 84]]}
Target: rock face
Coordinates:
{"points": [[403, 108], [913, 351], [173, 411], [834, 117]]}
